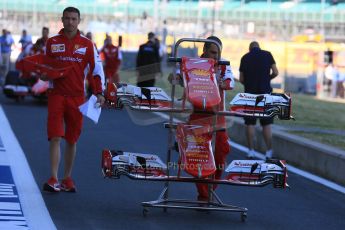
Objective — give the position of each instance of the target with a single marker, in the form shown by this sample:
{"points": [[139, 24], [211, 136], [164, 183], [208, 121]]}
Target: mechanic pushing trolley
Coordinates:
{"points": [[195, 139]]}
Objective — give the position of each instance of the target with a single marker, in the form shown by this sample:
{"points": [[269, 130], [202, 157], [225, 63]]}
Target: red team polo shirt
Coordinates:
{"points": [[82, 55]]}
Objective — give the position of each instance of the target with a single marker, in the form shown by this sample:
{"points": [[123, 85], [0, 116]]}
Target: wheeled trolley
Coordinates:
{"points": [[194, 141]]}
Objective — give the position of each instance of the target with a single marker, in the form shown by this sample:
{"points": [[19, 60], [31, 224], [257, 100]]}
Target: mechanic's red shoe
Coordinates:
{"points": [[52, 185], [67, 185]]}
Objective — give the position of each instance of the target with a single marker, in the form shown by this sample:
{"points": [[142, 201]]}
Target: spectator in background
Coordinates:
{"points": [[6, 41], [148, 62], [45, 35], [106, 39], [340, 85], [112, 60], [331, 75], [25, 39], [257, 69]]}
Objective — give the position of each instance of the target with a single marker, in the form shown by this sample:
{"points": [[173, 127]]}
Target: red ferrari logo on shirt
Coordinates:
{"points": [[81, 50]]}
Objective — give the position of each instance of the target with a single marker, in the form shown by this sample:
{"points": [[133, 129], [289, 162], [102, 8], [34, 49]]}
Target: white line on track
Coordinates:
{"points": [[6, 212], [12, 218], [33, 205]]}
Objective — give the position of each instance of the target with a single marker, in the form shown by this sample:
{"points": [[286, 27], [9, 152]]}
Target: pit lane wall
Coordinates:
{"points": [[320, 159]]}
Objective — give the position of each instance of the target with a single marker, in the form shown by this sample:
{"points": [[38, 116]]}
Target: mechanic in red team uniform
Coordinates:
{"points": [[113, 58], [30, 50], [67, 94], [226, 81], [37, 48]]}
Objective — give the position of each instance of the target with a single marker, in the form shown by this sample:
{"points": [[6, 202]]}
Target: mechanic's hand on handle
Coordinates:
{"points": [[222, 84], [178, 79]]}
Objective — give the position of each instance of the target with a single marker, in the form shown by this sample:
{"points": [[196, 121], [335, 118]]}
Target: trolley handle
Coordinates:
{"points": [[223, 62], [175, 59], [178, 59]]}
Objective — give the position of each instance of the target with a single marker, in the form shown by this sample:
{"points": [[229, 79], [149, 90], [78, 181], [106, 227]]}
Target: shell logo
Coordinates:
{"points": [[196, 139], [200, 72]]}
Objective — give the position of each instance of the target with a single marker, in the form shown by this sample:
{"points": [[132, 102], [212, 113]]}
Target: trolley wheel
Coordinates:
{"points": [[243, 216], [145, 211]]}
